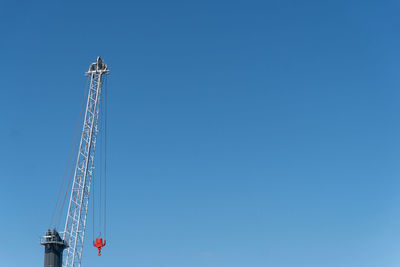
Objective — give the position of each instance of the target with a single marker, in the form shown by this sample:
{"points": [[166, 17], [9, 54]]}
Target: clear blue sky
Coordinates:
{"points": [[241, 133]]}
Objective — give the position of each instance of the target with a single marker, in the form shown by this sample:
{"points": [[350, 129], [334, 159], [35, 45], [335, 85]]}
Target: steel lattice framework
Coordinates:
{"points": [[74, 231]]}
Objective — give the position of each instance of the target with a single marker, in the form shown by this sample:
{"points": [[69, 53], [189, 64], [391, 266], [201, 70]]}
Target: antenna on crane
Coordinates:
{"points": [[75, 225]]}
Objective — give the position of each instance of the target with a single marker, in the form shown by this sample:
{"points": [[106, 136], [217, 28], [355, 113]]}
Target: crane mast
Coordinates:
{"points": [[75, 224]]}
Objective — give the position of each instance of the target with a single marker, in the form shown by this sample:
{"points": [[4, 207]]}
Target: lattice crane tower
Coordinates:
{"points": [[74, 232]]}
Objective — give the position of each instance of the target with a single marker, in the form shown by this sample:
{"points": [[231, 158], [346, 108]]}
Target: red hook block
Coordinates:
{"points": [[99, 244]]}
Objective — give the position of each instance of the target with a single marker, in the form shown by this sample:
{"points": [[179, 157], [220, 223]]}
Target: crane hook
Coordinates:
{"points": [[99, 244]]}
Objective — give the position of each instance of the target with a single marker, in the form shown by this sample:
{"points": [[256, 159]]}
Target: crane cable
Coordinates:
{"points": [[63, 191], [100, 180], [102, 189], [105, 155]]}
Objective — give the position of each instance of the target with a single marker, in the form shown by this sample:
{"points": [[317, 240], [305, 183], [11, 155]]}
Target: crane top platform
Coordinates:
{"points": [[98, 67]]}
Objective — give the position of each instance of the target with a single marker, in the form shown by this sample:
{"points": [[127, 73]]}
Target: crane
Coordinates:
{"points": [[72, 239]]}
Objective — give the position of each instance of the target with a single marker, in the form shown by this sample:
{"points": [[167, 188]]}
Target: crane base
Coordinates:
{"points": [[53, 249]]}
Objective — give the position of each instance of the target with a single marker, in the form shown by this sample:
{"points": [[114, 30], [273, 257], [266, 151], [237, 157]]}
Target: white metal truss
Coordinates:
{"points": [[74, 231]]}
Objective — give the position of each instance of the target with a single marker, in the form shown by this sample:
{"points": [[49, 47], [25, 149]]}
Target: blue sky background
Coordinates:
{"points": [[241, 133]]}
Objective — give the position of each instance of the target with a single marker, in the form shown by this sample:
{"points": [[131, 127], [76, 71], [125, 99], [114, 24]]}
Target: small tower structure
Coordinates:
{"points": [[53, 249]]}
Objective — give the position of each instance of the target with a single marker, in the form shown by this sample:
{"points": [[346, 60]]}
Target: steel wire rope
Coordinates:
{"points": [[94, 218], [105, 154], [58, 209], [101, 126], [102, 153]]}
